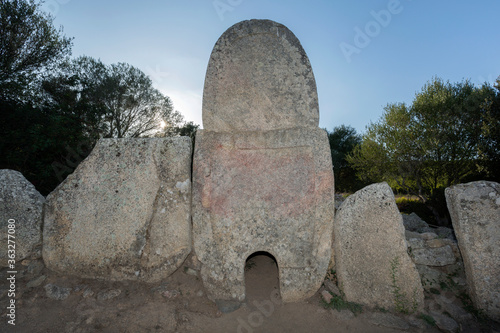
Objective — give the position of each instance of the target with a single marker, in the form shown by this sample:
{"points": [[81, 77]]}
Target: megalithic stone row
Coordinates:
{"points": [[475, 213], [262, 170], [124, 214]]}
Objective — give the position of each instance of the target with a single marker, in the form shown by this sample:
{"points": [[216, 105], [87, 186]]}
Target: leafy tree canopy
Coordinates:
{"points": [[431, 144], [29, 45], [343, 139], [113, 101]]}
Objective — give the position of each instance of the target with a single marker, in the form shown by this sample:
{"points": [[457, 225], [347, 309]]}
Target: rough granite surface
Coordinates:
{"points": [[262, 170], [259, 78], [475, 214], [124, 214], [370, 246], [21, 202], [263, 191]]}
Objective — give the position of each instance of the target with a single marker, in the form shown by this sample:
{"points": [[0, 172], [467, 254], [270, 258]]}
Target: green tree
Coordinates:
{"points": [[35, 138], [106, 101], [490, 144], [186, 129], [113, 101], [75, 90], [29, 45], [342, 141], [434, 143], [32, 137]]}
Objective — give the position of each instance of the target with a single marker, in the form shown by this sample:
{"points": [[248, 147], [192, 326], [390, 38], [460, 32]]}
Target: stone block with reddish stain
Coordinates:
{"points": [[263, 191], [262, 169]]}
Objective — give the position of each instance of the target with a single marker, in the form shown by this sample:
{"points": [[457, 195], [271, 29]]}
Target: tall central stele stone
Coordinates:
{"points": [[262, 173]]}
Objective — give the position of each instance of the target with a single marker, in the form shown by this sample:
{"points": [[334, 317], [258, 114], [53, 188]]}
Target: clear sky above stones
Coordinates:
{"points": [[364, 53]]}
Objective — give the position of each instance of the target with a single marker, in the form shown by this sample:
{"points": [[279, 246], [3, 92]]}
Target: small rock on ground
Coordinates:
{"points": [[88, 293], [327, 297], [416, 322], [332, 287], [190, 271], [455, 311], [56, 292], [445, 323], [36, 282], [171, 294], [227, 306], [108, 294], [35, 267]]}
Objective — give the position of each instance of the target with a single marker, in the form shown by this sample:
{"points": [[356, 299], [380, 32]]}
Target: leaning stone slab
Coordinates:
{"points": [[370, 247], [259, 78], [475, 214], [21, 204], [124, 214]]}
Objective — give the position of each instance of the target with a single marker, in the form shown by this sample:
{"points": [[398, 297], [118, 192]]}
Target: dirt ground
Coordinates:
{"points": [[178, 304]]}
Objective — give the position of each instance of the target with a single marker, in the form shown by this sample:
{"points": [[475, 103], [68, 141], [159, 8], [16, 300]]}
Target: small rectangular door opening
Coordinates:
{"points": [[261, 277]]}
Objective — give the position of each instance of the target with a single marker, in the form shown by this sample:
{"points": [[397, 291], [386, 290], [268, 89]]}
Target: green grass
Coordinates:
{"points": [[401, 300], [381, 309], [332, 276], [449, 284], [434, 291], [469, 307], [339, 304], [414, 205], [428, 319]]}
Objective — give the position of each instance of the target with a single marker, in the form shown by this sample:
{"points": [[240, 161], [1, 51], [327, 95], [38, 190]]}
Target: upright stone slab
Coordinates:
{"points": [[373, 266], [475, 214], [124, 214], [259, 78], [262, 172], [21, 204]]}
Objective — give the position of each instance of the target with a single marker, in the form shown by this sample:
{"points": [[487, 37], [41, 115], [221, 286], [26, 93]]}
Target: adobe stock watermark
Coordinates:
{"points": [[11, 273], [256, 318], [224, 6], [491, 79], [373, 28], [53, 6], [157, 75]]}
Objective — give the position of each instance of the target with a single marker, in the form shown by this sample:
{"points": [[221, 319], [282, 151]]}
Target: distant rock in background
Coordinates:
{"points": [[413, 222], [124, 214], [437, 259], [339, 200], [20, 201], [475, 213], [434, 251], [370, 246]]}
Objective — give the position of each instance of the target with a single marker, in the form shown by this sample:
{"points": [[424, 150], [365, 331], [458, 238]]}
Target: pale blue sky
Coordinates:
{"points": [[171, 40]]}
